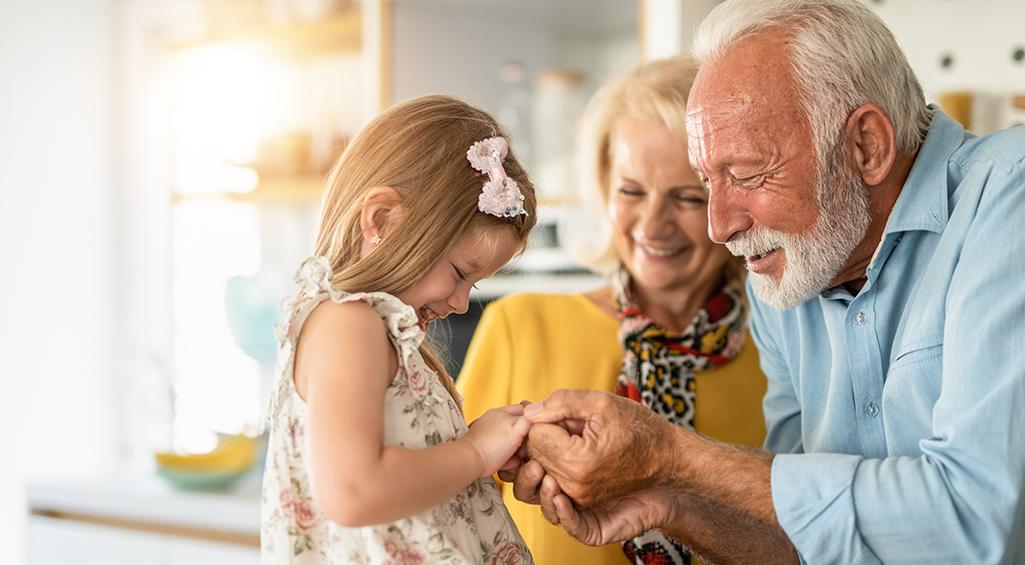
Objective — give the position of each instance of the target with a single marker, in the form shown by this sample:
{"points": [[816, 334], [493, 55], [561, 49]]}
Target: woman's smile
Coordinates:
{"points": [[662, 252]]}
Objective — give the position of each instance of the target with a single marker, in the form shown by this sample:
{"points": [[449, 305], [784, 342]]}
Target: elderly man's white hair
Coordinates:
{"points": [[843, 56]]}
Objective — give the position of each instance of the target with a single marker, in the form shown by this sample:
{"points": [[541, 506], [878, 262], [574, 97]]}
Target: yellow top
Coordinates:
{"points": [[528, 345]]}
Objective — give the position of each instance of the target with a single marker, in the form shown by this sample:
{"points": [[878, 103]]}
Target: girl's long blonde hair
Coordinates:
{"points": [[418, 148]]}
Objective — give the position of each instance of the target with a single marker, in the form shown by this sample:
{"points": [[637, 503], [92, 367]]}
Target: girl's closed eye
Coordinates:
{"points": [[461, 274]]}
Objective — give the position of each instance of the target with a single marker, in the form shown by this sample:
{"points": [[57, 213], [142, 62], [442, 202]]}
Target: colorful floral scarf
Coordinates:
{"points": [[658, 371]]}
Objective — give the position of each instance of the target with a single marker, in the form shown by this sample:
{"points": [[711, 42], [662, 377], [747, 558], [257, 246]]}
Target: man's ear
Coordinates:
{"points": [[872, 143], [382, 209]]}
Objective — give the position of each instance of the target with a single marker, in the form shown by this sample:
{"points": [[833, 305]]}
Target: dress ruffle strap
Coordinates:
{"points": [[314, 281]]}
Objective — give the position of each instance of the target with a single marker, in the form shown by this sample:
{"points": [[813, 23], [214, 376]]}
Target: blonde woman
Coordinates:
{"points": [[670, 328], [370, 460]]}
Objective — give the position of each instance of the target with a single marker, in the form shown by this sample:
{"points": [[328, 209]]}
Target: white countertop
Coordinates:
{"points": [[147, 498]]}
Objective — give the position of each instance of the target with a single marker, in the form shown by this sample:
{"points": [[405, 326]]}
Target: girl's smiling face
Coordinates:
{"points": [[445, 287]]}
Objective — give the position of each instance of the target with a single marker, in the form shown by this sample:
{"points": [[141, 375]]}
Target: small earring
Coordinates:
{"points": [[375, 239]]}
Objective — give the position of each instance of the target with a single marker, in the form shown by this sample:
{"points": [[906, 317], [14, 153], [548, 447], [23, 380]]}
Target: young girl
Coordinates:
{"points": [[370, 460]]}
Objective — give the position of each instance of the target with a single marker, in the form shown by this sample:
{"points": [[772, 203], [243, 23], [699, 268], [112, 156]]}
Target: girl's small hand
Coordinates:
{"points": [[497, 435]]}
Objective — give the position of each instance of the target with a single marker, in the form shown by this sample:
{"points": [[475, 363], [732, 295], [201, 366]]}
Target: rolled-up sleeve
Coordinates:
{"points": [[815, 506]]}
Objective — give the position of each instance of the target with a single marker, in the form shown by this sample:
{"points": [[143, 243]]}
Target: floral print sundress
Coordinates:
{"points": [[473, 526]]}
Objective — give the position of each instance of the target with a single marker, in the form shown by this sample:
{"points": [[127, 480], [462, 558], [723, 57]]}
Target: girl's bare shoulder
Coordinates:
{"points": [[339, 338]]}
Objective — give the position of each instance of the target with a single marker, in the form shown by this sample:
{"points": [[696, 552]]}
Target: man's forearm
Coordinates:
{"points": [[725, 496], [717, 535], [737, 479]]}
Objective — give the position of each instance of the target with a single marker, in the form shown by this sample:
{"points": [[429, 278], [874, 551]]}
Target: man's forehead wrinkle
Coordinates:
{"points": [[724, 121], [755, 70], [722, 112]]}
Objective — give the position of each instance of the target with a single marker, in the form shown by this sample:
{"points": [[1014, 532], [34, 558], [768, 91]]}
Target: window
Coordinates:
{"points": [[250, 133]]}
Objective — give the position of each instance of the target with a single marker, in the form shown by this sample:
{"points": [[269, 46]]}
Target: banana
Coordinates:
{"points": [[233, 453]]}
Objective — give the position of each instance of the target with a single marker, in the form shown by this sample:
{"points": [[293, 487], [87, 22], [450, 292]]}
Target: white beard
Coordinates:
{"points": [[812, 259]]}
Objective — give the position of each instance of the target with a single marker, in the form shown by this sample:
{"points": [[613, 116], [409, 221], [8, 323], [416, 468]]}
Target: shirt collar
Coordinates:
{"points": [[923, 201]]}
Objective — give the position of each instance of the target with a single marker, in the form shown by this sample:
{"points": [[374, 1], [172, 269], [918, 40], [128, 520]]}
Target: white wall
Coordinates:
{"points": [[57, 291], [466, 62], [466, 59], [669, 25], [980, 37]]}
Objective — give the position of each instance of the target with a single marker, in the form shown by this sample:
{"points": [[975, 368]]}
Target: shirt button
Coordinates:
{"points": [[871, 410], [861, 319]]}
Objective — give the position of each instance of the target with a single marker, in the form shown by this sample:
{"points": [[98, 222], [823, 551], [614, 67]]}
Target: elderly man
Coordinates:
{"points": [[886, 247]]}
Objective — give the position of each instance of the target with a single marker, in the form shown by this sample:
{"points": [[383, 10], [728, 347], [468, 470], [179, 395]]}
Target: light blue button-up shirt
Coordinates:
{"points": [[898, 415]]}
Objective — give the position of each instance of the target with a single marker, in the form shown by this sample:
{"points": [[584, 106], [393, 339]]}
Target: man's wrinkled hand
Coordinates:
{"points": [[615, 447], [611, 521], [526, 481]]}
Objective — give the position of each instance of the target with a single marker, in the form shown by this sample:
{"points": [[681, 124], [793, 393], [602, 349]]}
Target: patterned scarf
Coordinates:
{"points": [[658, 371]]}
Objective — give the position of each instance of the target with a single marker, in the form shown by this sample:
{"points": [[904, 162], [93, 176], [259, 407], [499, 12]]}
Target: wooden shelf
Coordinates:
{"points": [[559, 202], [300, 189], [336, 34]]}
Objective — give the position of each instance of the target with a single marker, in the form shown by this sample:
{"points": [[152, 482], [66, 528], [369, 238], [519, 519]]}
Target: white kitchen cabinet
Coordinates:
{"points": [[54, 541], [138, 520], [202, 552], [59, 542]]}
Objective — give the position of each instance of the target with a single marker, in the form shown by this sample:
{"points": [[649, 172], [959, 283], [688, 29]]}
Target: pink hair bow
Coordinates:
{"points": [[501, 195]]}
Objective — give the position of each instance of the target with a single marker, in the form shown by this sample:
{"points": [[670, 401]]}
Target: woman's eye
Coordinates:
{"points": [[690, 199], [625, 191]]}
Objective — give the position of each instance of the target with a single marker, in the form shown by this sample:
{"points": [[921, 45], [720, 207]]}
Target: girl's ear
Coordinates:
{"points": [[382, 209]]}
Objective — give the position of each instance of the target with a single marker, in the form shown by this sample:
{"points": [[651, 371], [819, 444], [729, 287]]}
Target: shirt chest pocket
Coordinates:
{"points": [[912, 387]]}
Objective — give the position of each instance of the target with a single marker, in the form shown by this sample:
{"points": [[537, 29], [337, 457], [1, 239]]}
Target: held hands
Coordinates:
{"points": [[603, 451], [498, 438], [598, 446], [594, 463]]}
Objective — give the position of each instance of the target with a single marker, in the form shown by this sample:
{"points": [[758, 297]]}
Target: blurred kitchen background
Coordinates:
{"points": [[160, 172]]}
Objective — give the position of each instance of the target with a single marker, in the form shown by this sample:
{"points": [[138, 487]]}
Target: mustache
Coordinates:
{"points": [[757, 242]]}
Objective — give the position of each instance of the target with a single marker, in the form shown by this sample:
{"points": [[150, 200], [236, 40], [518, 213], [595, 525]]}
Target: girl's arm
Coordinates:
{"points": [[344, 364]]}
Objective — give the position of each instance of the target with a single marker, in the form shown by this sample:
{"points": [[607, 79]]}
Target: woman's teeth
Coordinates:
{"points": [[661, 252]]}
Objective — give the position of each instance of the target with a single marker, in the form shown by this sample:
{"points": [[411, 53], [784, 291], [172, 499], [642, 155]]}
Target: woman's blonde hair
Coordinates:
{"points": [[418, 148], [656, 91]]}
